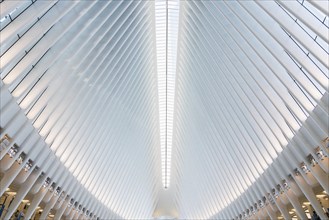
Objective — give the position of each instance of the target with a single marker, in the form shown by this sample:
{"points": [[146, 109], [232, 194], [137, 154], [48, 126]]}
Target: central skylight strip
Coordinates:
{"points": [[166, 18]]}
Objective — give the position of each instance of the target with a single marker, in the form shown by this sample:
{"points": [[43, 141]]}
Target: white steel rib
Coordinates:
{"points": [[105, 103]]}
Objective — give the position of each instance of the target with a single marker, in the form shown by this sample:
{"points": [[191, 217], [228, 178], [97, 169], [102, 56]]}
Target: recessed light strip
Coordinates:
{"points": [[166, 19]]}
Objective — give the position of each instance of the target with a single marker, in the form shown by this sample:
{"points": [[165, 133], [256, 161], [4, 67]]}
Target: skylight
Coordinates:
{"points": [[166, 17]]}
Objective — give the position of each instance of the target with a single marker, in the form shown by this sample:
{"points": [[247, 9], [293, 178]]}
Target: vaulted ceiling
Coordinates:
{"points": [[249, 97]]}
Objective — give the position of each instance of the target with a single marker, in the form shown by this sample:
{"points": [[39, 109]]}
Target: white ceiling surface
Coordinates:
{"points": [[239, 99], [94, 95]]}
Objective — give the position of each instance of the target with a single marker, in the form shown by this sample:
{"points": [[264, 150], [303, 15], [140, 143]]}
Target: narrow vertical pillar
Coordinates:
{"points": [[22, 192], [306, 189], [35, 202], [282, 208], [295, 203]]}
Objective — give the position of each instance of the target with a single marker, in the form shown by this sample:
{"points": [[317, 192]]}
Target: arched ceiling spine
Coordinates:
{"points": [[166, 21], [252, 100], [252, 83], [84, 73]]}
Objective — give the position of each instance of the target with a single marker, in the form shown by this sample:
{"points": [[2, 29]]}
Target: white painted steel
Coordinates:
{"points": [[82, 96]]}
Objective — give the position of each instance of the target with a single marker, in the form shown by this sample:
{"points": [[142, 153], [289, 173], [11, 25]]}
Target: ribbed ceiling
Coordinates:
{"points": [[242, 95], [251, 79], [88, 84]]}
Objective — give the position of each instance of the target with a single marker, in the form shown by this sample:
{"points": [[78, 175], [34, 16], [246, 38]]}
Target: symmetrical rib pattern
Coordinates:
{"points": [[86, 87]]}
